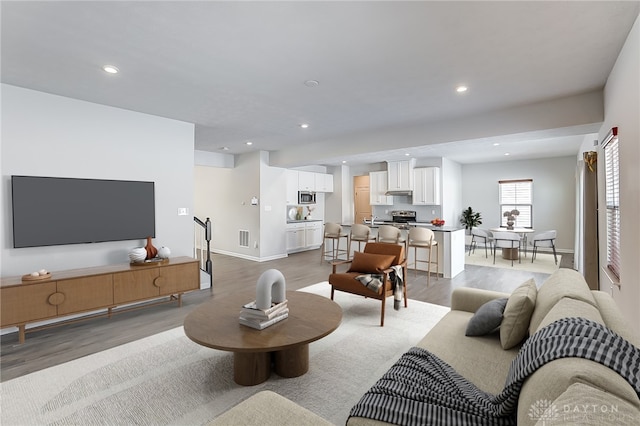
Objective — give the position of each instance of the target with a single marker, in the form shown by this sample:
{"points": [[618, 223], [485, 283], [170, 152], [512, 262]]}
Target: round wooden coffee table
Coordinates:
{"points": [[214, 324]]}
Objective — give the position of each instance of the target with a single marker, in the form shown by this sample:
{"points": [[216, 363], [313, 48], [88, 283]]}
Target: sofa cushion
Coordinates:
{"points": [[268, 408], [613, 317], [586, 405], [517, 314], [480, 359], [562, 283], [567, 308], [348, 282], [553, 379], [487, 318], [370, 263]]}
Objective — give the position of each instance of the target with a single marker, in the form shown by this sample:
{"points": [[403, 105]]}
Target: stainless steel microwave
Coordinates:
{"points": [[306, 197]]}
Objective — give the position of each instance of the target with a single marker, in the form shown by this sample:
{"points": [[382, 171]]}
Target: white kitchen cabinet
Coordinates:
{"points": [[295, 236], [378, 189], [400, 175], [292, 187], [324, 182], [306, 181], [426, 186], [304, 236], [313, 235]]}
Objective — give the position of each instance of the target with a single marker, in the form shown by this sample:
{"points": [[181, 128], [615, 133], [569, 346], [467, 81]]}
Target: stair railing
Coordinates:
{"points": [[203, 233]]}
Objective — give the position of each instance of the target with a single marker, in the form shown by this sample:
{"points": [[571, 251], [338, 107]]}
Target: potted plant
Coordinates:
{"points": [[470, 219]]}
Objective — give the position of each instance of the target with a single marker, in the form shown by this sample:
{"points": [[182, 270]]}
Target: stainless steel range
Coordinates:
{"points": [[401, 218]]}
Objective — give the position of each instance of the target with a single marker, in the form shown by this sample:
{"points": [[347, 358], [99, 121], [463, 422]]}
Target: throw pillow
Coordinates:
{"points": [[517, 314], [487, 318], [370, 263]]}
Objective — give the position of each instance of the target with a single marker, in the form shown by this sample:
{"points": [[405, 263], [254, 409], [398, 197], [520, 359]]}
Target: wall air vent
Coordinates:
{"points": [[243, 238]]}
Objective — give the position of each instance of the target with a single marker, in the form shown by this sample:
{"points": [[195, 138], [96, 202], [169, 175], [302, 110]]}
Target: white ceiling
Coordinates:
{"points": [[237, 69]]}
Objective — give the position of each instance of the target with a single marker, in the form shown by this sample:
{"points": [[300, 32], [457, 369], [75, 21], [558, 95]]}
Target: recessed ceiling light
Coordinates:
{"points": [[407, 154], [344, 161], [496, 144], [311, 83], [461, 89], [249, 143], [506, 153], [224, 148], [304, 125], [111, 69]]}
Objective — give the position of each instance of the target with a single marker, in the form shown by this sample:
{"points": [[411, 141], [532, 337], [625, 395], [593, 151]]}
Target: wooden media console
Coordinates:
{"points": [[77, 291]]}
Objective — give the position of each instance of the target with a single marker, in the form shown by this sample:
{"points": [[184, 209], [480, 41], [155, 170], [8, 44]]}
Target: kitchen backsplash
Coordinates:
{"points": [[423, 213]]}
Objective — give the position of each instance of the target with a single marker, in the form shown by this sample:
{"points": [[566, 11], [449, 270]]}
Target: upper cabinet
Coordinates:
{"points": [[324, 182], [426, 190], [378, 189], [299, 180], [306, 181], [292, 187], [400, 175]]}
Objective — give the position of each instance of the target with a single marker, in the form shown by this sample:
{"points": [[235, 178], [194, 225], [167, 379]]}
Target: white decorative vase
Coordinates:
{"points": [[138, 254], [164, 252]]}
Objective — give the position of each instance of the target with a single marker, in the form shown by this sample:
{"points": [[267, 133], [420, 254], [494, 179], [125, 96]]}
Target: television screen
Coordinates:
{"points": [[54, 211]]}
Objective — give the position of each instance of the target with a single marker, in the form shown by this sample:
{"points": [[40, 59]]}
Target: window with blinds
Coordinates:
{"points": [[612, 197], [516, 195]]}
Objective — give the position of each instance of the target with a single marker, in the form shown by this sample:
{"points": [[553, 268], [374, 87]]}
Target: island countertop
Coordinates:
{"points": [[444, 228]]}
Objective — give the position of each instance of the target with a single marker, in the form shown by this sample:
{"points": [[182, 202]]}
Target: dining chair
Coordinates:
{"points": [[480, 235], [544, 239], [506, 240]]}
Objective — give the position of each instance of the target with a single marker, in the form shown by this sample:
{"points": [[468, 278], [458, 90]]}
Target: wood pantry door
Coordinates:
{"points": [[361, 198]]}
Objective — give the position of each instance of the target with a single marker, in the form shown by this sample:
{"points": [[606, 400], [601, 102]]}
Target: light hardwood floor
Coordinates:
{"points": [[57, 345]]}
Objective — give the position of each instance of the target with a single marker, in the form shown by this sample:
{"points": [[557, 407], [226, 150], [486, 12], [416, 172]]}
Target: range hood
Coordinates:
{"points": [[399, 192]]}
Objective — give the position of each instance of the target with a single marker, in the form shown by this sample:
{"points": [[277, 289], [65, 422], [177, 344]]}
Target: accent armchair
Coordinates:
{"points": [[377, 258]]}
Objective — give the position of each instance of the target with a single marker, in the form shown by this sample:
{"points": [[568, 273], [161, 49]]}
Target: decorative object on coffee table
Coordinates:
{"points": [[270, 305], [151, 250]]}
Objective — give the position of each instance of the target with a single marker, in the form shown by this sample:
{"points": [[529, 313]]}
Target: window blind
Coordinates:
{"points": [[517, 195], [612, 196]]}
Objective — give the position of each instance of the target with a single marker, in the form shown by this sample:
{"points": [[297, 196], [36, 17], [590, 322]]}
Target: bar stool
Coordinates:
{"points": [[391, 234], [424, 238], [333, 232], [360, 234]]}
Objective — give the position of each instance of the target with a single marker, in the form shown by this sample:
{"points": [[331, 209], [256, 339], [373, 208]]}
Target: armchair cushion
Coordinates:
{"points": [[369, 263]]}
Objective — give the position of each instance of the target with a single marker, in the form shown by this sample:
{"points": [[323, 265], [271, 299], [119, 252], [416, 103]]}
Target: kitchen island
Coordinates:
{"points": [[451, 252]]}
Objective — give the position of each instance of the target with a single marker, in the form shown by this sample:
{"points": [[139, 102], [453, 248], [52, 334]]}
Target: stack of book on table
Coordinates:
{"points": [[256, 318]]}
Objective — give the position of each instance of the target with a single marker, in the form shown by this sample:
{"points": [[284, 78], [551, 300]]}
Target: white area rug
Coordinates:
{"points": [[544, 262], [168, 379]]}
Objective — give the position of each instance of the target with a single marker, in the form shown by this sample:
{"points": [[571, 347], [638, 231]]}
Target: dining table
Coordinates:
{"points": [[509, 253]]}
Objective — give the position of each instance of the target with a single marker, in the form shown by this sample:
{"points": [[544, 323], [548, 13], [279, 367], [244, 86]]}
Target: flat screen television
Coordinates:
{"points": [[51, 211]]}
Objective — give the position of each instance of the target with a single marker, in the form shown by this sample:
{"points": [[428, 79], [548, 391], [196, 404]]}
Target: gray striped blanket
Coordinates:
{"points": [[422, 389]]}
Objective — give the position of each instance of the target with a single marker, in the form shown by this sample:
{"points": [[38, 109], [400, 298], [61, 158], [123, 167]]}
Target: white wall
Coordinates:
{"points": [[451, 183], [48, 135], [224, 195], [553, 193], [622, 109]]}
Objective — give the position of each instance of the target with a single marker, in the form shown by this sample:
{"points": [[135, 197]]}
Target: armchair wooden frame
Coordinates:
{"points": [[347, 281]]}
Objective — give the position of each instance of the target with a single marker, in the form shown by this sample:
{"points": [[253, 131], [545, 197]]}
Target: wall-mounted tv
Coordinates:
{"points": [[55, 211]]}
